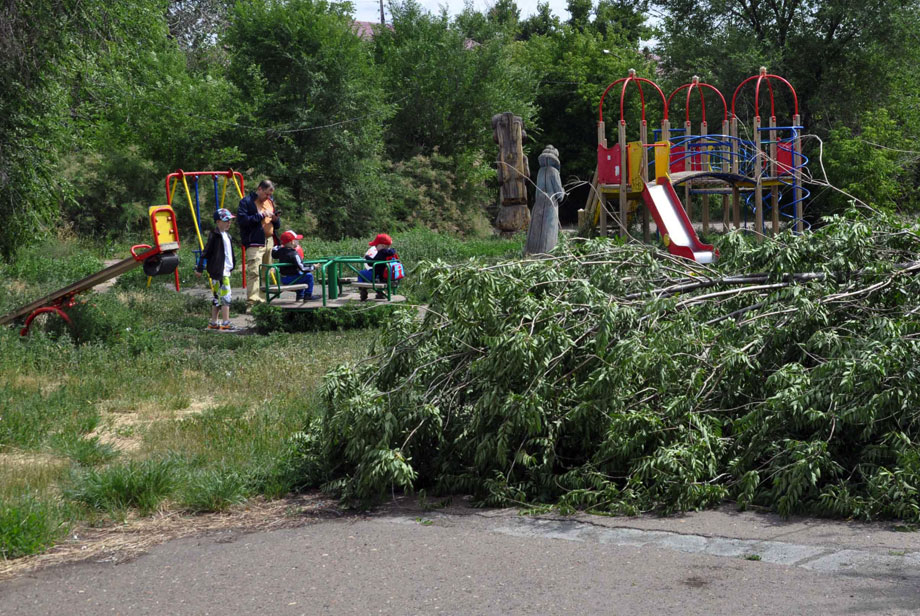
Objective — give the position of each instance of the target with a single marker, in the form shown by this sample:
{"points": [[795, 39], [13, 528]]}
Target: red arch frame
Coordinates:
{"points": [[698, 84], [626, 80], [760, 77]]}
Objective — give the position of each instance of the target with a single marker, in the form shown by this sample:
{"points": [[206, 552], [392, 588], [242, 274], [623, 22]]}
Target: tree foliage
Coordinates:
{"points": [[445, 87], [101, 100], [617, 378], [316, 100]]}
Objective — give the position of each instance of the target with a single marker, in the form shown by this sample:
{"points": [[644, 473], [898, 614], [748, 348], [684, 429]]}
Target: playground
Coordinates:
{"points": [[760, 174]]}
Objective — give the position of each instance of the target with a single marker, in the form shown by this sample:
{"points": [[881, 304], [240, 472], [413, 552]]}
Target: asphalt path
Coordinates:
{"points": [[458, 560]]}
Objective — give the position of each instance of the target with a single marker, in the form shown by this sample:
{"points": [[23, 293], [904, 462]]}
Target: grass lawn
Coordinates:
{"points": [[142, 410]]}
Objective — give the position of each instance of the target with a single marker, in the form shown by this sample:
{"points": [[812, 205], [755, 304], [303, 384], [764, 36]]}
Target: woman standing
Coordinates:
{"points": [[258, 219]]}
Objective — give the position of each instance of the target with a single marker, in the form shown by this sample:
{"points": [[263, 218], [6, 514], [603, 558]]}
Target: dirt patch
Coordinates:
{"points": [[121, 542], [121, 431], [31, 382], [124, 428], [16, 287], [14, 460], [195, 408]]}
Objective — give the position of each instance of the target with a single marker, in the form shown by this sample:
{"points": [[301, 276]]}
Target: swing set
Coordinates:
{"points": [[220, 195]]}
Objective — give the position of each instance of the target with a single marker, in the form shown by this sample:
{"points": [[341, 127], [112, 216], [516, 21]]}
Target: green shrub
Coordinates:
{"points": [[101, 317], [270, 318], [440, 193], [882, 175], [28, 526], [114, 189], [142, 485]]}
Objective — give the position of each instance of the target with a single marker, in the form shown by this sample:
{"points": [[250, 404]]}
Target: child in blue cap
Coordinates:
{"points": [[218, 254]]}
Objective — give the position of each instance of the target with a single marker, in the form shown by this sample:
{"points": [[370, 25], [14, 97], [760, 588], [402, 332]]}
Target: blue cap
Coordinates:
{"points": [[223, 214]]}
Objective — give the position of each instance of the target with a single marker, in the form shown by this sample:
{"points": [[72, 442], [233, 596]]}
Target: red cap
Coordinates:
{"points": [[289, 236], [381, 238]]}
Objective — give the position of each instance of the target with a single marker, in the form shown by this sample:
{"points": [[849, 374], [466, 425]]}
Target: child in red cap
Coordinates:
{"points": [[294, 270], [383, 244]]}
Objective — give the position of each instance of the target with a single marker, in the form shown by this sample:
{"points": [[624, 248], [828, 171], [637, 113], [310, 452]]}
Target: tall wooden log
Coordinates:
{"points": [[513, 171]]}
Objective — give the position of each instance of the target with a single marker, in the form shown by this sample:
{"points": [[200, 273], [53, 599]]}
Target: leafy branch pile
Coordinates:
{"points": [[617, 378]]}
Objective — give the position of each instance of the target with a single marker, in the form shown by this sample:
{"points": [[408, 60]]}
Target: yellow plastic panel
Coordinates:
{"points": [[662, 159], [163, 223], [635, 164]]}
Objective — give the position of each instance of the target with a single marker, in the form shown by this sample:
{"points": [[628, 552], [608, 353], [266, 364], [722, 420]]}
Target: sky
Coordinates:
{"points": [[369, 10]]}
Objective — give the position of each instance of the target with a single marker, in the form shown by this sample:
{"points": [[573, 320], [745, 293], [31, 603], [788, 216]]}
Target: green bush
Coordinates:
{"points": [[447, 195], [28, 526], [270, 318], [103, 318], [873, 164], [114, 189]]}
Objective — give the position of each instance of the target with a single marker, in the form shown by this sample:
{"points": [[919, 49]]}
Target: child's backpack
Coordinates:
{"points": [[394, 270]]}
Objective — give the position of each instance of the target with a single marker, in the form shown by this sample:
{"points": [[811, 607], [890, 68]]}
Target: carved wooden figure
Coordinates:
{"points": [[513, 170], [544, 225]]}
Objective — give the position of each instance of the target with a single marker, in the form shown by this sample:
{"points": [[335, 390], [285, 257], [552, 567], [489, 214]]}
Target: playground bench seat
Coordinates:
{"points": [[379, 287], [287, 287]]}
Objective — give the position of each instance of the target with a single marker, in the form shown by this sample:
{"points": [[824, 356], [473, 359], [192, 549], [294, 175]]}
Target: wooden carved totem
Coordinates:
{"points": [[513, 171]]}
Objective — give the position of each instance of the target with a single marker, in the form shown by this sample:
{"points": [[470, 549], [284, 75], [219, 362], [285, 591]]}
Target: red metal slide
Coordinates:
{"points": [[674, 225]]}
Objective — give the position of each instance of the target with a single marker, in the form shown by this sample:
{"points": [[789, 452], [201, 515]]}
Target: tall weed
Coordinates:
{"points": [[29, 526]]}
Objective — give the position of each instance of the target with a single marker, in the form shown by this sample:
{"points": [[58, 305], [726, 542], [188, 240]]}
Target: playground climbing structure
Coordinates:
{"points": [[760, 173]]}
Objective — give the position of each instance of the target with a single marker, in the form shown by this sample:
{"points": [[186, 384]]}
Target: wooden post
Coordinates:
{"points": [[688, 166], [704, 161], [758, 182], [666, 137], [596, 186], [624, 177], [602, 214], [774, 190], [735, 154], [643, 138], [513, 171], [797, 176]]}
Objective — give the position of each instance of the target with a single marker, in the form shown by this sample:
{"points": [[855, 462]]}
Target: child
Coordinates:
{"points": [[381, 249], [218, 255], [295, 271]]}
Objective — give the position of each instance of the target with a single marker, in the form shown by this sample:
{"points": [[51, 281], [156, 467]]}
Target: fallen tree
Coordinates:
{"points": [[614, 377]]}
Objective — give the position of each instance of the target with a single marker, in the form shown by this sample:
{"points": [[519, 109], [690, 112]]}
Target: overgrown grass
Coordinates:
{"points": [[139, 408], [139, 484]]}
